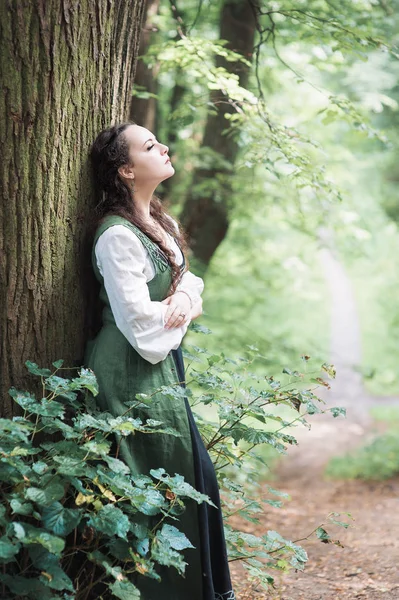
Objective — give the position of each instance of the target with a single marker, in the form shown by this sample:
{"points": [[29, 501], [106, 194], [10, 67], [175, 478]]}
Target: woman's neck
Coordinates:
{"points": [[142, 200]]}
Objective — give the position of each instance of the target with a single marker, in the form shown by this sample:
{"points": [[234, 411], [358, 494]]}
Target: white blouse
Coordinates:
{"points": [[126, 267]]}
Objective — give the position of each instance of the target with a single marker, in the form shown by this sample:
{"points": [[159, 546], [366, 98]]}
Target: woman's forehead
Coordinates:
{"points": [[138, 135]]}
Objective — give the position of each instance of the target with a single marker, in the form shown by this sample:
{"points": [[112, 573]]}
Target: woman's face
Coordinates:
{"points": [[150, 163]]}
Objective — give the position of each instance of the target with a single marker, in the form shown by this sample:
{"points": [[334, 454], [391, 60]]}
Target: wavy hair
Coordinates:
{"points": [[109, 152]]}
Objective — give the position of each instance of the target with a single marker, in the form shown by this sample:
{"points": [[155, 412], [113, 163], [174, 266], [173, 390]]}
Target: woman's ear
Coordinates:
{"points": [[126, 171]]}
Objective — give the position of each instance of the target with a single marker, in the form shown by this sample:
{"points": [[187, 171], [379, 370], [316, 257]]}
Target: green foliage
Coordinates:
{"points": [[73, 517], [246, 411], [65, 496]]}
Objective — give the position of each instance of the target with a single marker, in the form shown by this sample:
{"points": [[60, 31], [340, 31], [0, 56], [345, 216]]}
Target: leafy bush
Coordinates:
{"points": [[70, 515], [248, 409], [75, 522]]}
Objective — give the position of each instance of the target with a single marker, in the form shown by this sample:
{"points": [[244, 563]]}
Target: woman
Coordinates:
{"points": [[149, 300]]}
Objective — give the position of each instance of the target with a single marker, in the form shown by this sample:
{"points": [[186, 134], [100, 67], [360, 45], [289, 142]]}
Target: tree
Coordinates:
{"points": [[205, 213], [67, 71], [143, 109]]}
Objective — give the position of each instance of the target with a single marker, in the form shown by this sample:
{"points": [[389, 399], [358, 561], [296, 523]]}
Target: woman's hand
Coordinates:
{"points": [[179, 310]]}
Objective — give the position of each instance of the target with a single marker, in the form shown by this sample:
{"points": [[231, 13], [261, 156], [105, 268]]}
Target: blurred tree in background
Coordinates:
{"points": [[308, 141]]}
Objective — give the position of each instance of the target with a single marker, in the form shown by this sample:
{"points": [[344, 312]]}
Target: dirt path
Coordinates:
{"points": [[367, 566]]}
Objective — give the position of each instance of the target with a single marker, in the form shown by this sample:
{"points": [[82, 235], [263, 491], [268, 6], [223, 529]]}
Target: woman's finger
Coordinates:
{"points": [[172, 317]]}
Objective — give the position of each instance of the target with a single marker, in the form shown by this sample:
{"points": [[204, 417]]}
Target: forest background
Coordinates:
{"points": [[318, 153]]}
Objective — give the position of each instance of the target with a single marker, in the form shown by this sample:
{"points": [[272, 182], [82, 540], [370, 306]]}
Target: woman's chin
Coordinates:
{"points": [[170, 173]]}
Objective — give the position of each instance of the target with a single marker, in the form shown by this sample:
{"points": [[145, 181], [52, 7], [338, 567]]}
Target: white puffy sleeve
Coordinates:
{"points": [[121, 260], [192, 285]]}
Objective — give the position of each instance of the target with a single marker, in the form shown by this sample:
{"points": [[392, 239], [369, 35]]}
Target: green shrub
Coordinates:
{"points": [[74, 521], [71, 510]]}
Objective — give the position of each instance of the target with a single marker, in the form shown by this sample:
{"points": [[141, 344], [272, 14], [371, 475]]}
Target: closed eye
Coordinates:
{"points": [[149, 147]]}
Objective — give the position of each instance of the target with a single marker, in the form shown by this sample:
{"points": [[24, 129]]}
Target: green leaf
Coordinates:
{"points": [[116, 465], [47, 408], [26, 586], [176, 539], [60, 520], [28, 534], [86, 380], [111, 521], [76, 467], [148, 501], [35, 370], [21, 508], [47, 495], [179, 486], [40, 467], [323, 535], [54, 577], [100, 559], [8, 549], [164, 554], [124, 590], [199, 328], [58, 363], [60, 387], [338, 411]]}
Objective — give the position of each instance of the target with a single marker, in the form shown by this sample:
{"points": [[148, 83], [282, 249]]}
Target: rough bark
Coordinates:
{"points": [[143, 111], [205, 213], [66, 70]]}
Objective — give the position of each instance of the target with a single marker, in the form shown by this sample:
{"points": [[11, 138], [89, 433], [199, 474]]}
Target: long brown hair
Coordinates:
{"points": [[109, 152]]}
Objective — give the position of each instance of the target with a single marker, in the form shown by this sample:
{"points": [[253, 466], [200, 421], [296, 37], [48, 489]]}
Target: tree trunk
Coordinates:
{"points": [[143, 111], [66, 70], [205, 213]]}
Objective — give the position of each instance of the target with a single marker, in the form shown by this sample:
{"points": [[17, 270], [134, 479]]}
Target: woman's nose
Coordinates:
{"points": [[165, 149]]}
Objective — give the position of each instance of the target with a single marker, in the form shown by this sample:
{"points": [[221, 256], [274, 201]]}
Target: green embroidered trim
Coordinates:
{"points": [[157, 256]]}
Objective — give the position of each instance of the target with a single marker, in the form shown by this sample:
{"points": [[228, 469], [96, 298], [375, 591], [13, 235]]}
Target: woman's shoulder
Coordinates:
{"points": [[119, 233], [116, 226]]}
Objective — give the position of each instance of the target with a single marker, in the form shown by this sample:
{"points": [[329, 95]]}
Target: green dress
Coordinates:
{"points": [[122, 373]]}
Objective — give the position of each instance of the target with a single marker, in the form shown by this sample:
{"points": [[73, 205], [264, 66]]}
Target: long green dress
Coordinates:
{"points": [[122, 373]]}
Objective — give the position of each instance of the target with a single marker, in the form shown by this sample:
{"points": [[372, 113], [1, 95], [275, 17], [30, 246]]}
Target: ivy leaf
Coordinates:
{"points": [[35, 370], [54, 577], [179, 486], [46, 408], [21, 508], [54, 491], [111, 521], [323, 535], [125, 590], [58, 363], [28, 534], [100, 559], [67, 465], [86, 380], [148, 501], [8, 549], [176, 539], [199, 328], [116, 465], [338, 411], [40, 467], [23, 586], [164, 554], [60, 387], [60, 520]]}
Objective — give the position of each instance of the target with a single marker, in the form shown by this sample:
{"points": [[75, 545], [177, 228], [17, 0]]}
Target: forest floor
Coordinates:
{"points": [[366, 567]]}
